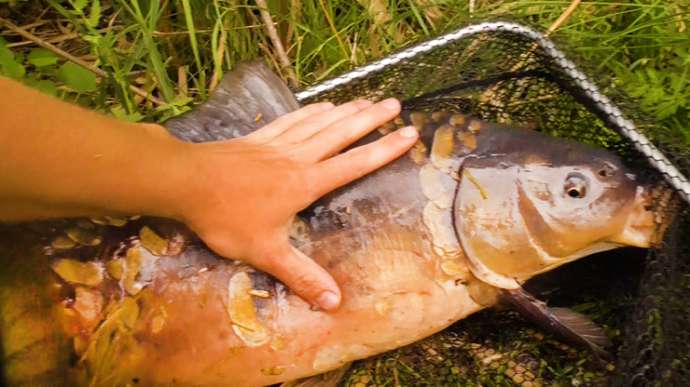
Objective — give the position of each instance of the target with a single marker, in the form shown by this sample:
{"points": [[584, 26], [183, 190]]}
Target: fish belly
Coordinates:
{"points": [[197, 319], [232, 325]]}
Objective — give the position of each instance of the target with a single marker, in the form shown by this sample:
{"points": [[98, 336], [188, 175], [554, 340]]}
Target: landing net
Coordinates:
{"points": [[510, 73]]}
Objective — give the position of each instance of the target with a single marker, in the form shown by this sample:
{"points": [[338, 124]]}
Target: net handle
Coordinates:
{"points": [[622, 124]]}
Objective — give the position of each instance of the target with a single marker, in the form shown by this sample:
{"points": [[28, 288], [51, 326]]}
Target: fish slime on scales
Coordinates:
{"points": [[468, 215]]}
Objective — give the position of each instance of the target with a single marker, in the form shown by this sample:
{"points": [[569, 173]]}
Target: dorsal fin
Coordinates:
{"points": [[568, 325], [248, 97]]}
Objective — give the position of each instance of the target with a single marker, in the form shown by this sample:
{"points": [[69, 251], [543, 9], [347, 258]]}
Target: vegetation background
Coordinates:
{"points": [[150, 60]]}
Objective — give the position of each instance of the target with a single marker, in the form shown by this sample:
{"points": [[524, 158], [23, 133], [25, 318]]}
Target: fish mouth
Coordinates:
{"points": [[652, 212]]}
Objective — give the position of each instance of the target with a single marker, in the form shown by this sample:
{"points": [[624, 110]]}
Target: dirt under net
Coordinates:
{"points": [[508, 73]]}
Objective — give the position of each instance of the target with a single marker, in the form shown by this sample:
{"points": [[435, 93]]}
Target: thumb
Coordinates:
{"points": [[302, 275]]}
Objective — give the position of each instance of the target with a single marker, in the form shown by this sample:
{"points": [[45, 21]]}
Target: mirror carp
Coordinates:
{"points": [[473, 211]]}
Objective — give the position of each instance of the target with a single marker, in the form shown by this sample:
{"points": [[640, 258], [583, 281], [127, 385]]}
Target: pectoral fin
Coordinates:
{"points": [[248, 98], [568, 325]]}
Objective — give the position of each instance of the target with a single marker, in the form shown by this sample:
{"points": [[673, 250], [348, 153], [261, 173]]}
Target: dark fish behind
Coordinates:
{"points": [[473, 209]]}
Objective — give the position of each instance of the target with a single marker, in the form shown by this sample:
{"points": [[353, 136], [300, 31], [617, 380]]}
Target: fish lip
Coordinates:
{"points": [[650, 216]]}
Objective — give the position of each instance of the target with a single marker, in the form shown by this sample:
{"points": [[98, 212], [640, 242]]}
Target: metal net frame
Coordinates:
{"points": [[511, 73], [618, 120]]}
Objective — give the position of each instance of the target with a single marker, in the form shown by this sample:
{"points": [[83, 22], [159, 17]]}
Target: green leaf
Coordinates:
{"points": [[77, 78], [121, 114], [40, 57], [8, 65], [78, 4], [94, 14], [43, 85], [13, 70]]}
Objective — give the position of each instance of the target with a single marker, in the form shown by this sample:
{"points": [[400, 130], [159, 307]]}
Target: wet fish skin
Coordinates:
{"points": [[395, 241]]}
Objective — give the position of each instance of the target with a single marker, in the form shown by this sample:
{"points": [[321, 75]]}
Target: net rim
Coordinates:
{"points": [[620, 123]]}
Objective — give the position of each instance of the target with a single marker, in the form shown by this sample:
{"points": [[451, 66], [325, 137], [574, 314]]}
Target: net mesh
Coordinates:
{"points": [[508, 73]]}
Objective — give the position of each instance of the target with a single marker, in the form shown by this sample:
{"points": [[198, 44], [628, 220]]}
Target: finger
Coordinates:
{"points": [[282, 123], [344, 132], [357, 162], [308, 127], [302, 275]]}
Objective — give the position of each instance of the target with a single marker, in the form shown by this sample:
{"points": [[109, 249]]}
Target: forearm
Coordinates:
{"points": [[59, 160]]}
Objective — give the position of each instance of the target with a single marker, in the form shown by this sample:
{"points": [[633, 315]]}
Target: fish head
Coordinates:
{"points": [[535, 202], [582, 203]]}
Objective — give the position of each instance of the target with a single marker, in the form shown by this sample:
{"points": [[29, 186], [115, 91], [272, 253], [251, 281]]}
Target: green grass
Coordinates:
{"points": [[177, 49]]}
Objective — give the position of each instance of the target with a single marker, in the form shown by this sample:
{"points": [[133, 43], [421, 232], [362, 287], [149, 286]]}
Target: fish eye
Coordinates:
{"points": [[575, 186]]}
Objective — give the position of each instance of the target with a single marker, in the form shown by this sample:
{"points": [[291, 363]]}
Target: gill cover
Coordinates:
{"points": [[484, 221]]}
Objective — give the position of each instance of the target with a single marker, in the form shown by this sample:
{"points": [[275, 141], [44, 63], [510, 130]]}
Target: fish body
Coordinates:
{"points": [[472, 209]]}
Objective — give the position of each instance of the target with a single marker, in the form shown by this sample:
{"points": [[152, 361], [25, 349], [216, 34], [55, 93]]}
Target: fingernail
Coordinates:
{"points": [[391, 103], [328, 300], [409, 132], [327, 106], [363, 103]]}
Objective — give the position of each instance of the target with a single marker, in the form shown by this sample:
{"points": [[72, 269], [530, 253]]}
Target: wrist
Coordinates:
{"points": [[170, 174]]}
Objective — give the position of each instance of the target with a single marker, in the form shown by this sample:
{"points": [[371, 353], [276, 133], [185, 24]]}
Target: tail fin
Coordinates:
{"points": [[248, 98]]}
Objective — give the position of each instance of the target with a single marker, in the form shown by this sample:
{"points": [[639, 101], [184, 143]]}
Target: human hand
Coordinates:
{"points": [[243, 193], [240, 195]]}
